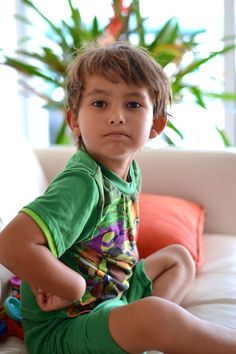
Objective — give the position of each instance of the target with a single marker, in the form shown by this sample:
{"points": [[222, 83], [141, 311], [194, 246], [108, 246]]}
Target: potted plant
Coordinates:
{"points": [[169, 45]]}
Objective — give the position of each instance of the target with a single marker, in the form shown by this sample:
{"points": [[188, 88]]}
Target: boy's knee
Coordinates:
{"points": [[157, 311], [183, 258]]}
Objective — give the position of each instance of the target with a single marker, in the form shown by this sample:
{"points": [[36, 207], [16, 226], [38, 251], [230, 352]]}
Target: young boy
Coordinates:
{"points": [[84, 289]]}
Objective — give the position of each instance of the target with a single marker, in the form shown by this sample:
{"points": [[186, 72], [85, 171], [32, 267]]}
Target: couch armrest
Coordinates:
{"points": [[54, 159]]}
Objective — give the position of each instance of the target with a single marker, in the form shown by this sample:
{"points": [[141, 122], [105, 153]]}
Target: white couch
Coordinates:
{"points": [[205, 177]]}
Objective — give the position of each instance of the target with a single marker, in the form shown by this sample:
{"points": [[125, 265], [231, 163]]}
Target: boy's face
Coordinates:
{"points": [[114, 121]]}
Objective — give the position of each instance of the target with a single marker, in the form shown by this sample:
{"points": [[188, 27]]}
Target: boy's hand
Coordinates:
{"points": [[49, 302]]}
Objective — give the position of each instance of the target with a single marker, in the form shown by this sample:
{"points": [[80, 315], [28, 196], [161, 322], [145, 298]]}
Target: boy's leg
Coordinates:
{"points": [[171, 271], [154, 323]]}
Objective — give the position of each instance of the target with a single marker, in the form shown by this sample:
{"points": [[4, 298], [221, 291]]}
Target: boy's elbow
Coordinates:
{"points": [[6, 250], [78, 290]]}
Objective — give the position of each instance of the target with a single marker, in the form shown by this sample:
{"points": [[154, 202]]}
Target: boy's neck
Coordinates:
{"points": [[119, 167]]}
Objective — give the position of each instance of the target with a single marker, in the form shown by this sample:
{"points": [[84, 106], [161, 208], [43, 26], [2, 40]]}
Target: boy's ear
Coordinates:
{"points": [[158, 126], [72, 121]]}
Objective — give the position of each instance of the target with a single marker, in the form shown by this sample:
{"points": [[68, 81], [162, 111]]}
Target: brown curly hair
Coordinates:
{"points": [[134, 65], [116, 61]]}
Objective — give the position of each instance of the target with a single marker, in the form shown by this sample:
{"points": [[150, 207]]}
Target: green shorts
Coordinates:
{"points": [[88, 333]]}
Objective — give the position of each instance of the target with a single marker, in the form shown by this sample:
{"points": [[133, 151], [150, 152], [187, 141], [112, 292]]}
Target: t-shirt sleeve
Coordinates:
{"points": [[65, 209]]}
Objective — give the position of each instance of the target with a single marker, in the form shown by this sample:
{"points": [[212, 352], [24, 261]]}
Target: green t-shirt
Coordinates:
{"points": [[89, 217]]}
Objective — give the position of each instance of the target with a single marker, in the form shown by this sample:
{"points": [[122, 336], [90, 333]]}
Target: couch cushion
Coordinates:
{"points": [[5, 276], [213, 293], [165, 220], [13, 345]]}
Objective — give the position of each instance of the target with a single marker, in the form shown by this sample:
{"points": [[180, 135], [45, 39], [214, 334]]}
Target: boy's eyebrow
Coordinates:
{"points": [[97, 92], [137, 94], [105, 92]]}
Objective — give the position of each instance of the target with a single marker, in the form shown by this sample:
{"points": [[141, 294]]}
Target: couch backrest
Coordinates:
{"points": [[205, 177]]}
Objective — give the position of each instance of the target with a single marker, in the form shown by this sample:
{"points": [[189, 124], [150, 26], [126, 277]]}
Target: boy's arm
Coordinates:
{"points": [[24, 251]]}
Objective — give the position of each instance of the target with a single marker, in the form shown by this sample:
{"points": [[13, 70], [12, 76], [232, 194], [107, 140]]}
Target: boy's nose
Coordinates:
{"points": [[117, 119]]}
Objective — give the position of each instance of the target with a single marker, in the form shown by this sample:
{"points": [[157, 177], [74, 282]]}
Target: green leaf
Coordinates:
{"points": [[189, 38], [23, 40], [224, 137], [45, 96], [226, 96], [23, 19], [166, 35], [168, 139], [48, 57], [74, 35], [140, 28], [76, 28], [198, 96], [168, 53], [75, 15], [176, 130], [53, 27], [53, 105], [197, 63], [95, 27], [62, 138], [27, 69]]}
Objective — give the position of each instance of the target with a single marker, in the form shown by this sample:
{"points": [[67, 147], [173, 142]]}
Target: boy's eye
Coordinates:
{"points": [[134, 105], [99, 104]]}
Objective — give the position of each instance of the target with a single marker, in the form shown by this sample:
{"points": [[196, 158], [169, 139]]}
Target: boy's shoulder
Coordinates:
{"points": [[81, 165], [81, 161]]}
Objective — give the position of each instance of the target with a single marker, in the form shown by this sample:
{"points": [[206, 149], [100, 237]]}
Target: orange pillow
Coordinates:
{"points": [[165, 220]]}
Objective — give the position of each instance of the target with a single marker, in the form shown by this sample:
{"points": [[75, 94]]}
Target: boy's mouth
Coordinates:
{"points": [[116, 133]]}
